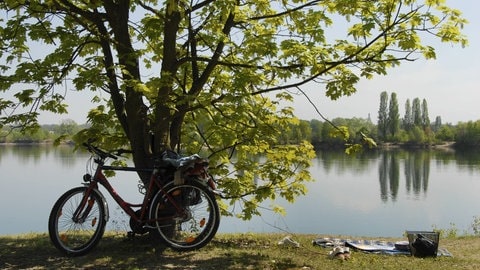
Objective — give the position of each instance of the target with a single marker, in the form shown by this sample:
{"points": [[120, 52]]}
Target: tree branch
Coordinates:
{"points": [[280, 14], [198, 84]]}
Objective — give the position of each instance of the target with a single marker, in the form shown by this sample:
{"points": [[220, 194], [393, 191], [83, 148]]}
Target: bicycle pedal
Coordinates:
{"points": [[130, 235]]}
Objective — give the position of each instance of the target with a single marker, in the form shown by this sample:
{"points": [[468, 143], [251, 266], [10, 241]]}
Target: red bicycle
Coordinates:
{"points": [[179, 205]]}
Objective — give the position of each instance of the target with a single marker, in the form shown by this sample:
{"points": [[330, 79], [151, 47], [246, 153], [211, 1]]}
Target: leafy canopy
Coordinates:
{"points": [[206, 75]]}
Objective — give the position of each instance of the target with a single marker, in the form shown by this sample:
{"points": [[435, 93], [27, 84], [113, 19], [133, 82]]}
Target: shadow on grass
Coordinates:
{"points": [[119, 252]]}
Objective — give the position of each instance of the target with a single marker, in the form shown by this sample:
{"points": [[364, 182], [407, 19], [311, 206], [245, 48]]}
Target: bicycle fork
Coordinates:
{"points": [[86, 205], [84, 208]]}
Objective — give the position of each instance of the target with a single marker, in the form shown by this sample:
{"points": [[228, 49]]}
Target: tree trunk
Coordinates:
{"points": [[134, 111], [163, 110]]}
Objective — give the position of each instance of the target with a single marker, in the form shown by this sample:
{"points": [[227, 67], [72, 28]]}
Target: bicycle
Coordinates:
{"points": [[179, 205]]}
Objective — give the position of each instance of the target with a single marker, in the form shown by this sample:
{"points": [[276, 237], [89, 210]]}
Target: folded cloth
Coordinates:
{"points": [[329, 242], [288, 241], [371, 246]]}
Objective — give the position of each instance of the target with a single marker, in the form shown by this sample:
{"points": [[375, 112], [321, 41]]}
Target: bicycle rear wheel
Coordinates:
{"points": [[76, 234], [194, 225]]}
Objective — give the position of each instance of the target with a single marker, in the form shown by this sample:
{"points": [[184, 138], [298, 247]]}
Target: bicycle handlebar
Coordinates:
{"points": [[103, 154]]}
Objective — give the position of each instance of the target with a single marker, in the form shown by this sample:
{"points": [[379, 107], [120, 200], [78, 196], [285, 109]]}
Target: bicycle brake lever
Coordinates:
{"points": [[119, 152]]}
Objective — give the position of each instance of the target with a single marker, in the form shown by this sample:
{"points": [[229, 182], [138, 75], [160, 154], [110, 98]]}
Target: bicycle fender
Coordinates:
{"points": [[206, 182]]}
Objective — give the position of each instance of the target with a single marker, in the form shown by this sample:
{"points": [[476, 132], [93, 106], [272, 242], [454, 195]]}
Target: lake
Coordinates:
{"points": [[378, 193]]}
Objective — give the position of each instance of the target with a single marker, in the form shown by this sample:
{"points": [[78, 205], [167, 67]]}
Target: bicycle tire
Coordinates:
{"points": [[76, 238], [192, 229]]}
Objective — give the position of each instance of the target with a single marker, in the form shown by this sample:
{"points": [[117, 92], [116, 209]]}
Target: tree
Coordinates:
{"points": [[67, 127], [417, 135], [438, 123], [316, 127], [205, 75], [445, 133], [425, 117], [417, 113], [296, 133], [408, 118], [304, 132], [382, 122], [393, 122], [468, 134]]}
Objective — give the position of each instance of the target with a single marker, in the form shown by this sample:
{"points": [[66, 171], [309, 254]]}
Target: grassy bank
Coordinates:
{"points": [[226, 251]]}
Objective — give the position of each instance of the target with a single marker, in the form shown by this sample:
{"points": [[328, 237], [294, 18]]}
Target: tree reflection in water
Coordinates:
{"points": [[416, 168]]}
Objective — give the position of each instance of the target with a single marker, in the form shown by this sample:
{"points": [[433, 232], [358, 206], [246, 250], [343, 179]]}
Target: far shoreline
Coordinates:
{"points": [[443, 145], [46, 142], [381, 145]]}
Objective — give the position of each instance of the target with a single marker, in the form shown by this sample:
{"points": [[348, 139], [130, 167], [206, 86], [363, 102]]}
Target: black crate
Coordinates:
{"points": [[423, 243]]}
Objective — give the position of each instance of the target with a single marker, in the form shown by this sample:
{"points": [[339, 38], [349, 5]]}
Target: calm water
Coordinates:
{"points": [[382, 193]]}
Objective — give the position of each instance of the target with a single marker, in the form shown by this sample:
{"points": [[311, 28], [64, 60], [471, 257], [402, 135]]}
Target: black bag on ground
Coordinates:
{"points": [[424, 247]]}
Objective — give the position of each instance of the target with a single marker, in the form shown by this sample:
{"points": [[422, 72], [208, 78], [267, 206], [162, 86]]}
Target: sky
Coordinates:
{"points": [[449, 84]]}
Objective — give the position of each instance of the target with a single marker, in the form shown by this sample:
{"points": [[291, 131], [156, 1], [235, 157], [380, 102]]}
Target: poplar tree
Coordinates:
{"points": [[382, 123], [425, 118], [417, 113], [408, 118], [393, 115], [438, 123]]}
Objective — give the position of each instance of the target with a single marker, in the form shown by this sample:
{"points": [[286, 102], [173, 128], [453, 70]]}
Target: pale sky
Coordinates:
{"points": [[450, 85]]}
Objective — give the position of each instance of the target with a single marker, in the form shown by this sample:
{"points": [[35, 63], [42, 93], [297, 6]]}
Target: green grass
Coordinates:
{"points": [[226, 251]]}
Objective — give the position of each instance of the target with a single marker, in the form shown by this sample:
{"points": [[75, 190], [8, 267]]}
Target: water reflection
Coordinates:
{"points": [[374, 193], [341, 163], [389, 176], [65, 155], [416, 169]]}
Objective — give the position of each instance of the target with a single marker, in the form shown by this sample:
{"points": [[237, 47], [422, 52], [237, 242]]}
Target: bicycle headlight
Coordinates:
{"points": [[87, 177]]}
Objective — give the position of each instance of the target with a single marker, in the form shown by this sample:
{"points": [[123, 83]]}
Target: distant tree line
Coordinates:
{"points": [[414, 128], [60, 132], [322, 134]]}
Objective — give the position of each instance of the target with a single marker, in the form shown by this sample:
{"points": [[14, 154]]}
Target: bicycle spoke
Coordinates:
{"points": [[72, 235]]}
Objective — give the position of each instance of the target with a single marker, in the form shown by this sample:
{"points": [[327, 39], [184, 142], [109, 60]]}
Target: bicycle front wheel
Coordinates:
{"points": [[76, 228], [186, 216]]}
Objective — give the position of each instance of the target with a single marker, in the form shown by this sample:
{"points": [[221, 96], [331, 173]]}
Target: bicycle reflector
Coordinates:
{"points": [[87, 177]]}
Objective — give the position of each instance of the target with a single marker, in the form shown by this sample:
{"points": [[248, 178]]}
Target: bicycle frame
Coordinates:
{"points": [[99, 177]]}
